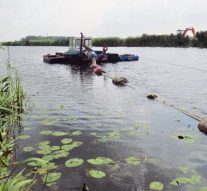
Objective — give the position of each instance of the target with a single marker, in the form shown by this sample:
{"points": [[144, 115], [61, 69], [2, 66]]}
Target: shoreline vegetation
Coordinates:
{"points": [[12, 105], [171, 40]]}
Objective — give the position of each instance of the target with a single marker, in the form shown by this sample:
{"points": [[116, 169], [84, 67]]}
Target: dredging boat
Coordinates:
{"points": [[78, 53]]}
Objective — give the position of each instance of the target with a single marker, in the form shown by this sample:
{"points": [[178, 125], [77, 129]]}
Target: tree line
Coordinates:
{"points": [[171, 40]]}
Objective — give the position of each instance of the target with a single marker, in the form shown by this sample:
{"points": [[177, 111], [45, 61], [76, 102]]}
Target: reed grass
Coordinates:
{"points": [[12, 104]]}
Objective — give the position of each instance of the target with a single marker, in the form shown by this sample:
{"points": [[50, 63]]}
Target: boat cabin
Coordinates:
{"points": [[76, 43]]}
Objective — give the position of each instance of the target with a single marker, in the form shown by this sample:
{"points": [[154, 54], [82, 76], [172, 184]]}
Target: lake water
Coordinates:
{"points": [[118, 122]]}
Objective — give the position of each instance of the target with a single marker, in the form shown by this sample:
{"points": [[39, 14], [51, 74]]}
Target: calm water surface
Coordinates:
{"points": [[118, 122]]}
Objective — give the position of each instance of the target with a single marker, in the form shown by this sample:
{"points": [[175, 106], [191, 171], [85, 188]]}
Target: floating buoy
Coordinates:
{"points": [[93, 66], [152, 96], [98, 70], [203, 126], [121, 81]]}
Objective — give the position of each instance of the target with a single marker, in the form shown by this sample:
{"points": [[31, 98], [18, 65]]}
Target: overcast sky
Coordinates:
{"points": [[99, 18]]}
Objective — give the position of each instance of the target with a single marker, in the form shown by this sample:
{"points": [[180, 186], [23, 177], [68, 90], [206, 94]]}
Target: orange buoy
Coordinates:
{"points": [[98, 70], [93, 65]]}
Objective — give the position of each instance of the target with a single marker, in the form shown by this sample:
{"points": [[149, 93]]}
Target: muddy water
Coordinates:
{"points": [[116, 122]]}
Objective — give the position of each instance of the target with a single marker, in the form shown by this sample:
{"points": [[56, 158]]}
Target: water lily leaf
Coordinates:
{"points": [[96, 174], [51, 178], [71, 146], [60, 154], [27, 128], [24, 137], [114, 135], [75, 133], [132, 160], [66, 141], [50, 166], [94, 134], [48, 157], [185, 137], [44, 147], [152, 160], [59, 133], [68, 147], [156, 186], [44, 142], [100, 161], [28, 149], [43, 152], [184, 169], [195, 179], [49, 121], [203, 189], [74, 162], [40, 171], [46, 132], [55, 148]]}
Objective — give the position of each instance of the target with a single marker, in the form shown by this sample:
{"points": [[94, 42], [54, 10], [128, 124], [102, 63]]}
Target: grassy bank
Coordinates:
{"points": [[11, 106], [171, 40]]}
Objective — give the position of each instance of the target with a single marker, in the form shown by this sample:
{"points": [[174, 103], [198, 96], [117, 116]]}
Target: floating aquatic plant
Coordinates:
{"points": [[74, 162], [76, 133], [27, 128], [24, 137], [43, 151], [195, 179], [203, 189], [46, 132], [152, 160], [100, 161], [66, 141], [49, 121], [51, 178], [28, 149], [96, 174], [185, 137], [59, 133], [44, 143], [132, 160], [156, 186]]}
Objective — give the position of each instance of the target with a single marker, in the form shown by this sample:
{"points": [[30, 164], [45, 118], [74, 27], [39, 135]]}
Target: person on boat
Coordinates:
{"points": [[90, 54]]}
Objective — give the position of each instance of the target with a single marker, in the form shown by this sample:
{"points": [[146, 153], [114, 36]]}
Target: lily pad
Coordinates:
{"points": [[132, 160], [46, 132], [100, 161], [203, 189], [75, 133], [96, 174], [185, 137], [51, 178], [55, 148], [59, 133], [66, 141], [44, 143], [195, 179], [156, 186], [27, 128], [60, 154], [43, 151], [74, 162], [24, 137], [49, 121], [28, 149]]}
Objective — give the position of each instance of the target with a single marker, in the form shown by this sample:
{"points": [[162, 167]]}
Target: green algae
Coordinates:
{"points": [[100, 161], [132, 160], [66, 141], [96, 174], [156, 186], [73, 162]]}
